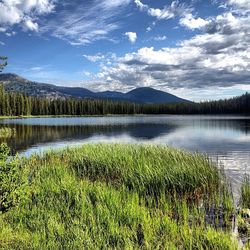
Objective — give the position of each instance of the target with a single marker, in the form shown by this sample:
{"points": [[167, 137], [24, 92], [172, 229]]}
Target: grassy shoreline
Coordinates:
{"points": [[116, 115], [116, 196], [67, 116]]}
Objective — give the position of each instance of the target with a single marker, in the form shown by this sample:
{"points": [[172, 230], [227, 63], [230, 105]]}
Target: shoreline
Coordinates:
{"points": [[125, 115]]}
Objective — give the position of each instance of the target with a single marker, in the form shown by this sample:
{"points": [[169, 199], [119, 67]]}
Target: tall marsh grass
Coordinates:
{"points": [[117, 197], [245, 192], [244, 213]]}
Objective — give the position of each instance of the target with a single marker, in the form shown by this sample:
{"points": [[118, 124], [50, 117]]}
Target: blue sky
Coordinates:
{"points": [[196, 49]]}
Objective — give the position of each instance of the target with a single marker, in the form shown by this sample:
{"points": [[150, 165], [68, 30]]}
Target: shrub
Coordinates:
{"points": [[9, 178]]}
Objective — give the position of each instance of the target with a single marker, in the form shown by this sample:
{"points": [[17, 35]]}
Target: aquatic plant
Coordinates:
{"points": [[244, 211], [118, 196], [245, 192]]}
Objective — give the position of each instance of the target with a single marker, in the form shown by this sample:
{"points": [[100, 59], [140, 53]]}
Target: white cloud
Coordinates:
{"points": [[132, 36], [103, 59], [23, 12], [87, 74], [115, 3], [141, 6], [160, 38], [2, 43], [30, 25], [241, 4], [10, 33], [218, 57], [79, 24], [2, 29], [84, 23], [9, 14], [191, 22], [37, 68], [94, 58], [170, 11]]}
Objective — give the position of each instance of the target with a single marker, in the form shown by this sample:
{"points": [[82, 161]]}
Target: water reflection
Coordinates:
{"points": [[225, 139], [32, 136]]}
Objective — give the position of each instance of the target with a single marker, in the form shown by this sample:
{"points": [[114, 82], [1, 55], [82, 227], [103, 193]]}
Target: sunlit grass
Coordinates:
{"points": [[245, 192], [117, 196], [244, 212]]}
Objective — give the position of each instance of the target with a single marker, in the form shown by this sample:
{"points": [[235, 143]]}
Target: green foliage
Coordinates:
{"points": [[245, 192], [150, 170], [4, 152], [16, 104], [9, 179], [244, 212], [115, 197]]}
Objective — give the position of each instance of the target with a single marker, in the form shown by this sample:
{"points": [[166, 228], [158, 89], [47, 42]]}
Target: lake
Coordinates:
{"points": [[225, 139]]}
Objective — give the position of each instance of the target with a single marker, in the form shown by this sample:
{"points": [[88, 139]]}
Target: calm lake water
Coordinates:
{"points": [[226, 139]]}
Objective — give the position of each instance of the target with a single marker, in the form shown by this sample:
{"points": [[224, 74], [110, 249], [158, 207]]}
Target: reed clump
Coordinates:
{"points": [[244, 212], [245, 192], [111, 196]]}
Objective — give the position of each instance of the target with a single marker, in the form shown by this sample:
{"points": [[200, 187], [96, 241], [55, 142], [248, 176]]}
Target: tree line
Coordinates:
{"points": [[17, 104]]}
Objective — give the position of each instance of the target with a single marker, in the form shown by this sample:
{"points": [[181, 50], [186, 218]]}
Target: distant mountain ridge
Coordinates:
{"points": [[144, 95]]}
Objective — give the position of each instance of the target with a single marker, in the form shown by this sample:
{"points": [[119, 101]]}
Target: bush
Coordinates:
{"points": [[9, 178], [4, 152]]}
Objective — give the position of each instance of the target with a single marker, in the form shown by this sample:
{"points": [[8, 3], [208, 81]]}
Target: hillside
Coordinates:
{"points": [[15, 83], [150, 95]]}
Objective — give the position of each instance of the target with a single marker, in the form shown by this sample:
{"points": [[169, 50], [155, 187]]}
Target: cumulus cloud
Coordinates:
{"points": [[23, 12], [103, 59], [175, 10], [30, 25], [217, 57], [132, 36], [242, 5], [191, 22]]}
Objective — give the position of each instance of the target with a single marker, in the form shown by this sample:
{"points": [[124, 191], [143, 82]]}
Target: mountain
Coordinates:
{"points": [[111, 94], [15, 83], [150, 95]]}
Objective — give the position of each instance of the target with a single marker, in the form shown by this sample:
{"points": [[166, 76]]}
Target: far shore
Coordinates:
{"points": [[118, 115]]}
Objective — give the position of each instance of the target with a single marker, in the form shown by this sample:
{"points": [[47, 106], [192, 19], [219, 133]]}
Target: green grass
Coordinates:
{"points": [[245, 192], [114, 197], [244, 213]]}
